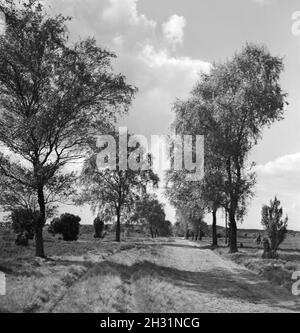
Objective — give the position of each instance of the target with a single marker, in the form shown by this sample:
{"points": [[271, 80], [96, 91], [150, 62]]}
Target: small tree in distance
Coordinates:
{"points": [[276, 228]]}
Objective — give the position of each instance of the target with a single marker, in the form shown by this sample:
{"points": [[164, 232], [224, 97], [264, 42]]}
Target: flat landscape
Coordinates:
{"points": [[144, 275]]}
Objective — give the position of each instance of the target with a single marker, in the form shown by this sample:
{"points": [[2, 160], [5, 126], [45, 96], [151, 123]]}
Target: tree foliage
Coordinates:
{"points": [[150, 212], [55, 96], [188, 201], [116, 190]]}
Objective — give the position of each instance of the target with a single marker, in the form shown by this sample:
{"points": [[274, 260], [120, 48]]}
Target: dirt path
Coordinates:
{"points": [[173, 277]]}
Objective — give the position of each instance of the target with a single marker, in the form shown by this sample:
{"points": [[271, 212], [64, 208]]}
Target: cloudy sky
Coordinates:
{"points": [[162, 45]]}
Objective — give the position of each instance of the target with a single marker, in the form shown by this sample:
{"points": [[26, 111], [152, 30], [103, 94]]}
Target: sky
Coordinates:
{"points": [[163, 45]]}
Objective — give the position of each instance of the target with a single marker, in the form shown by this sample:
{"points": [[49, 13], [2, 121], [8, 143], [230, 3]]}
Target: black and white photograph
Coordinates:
{"points": [[149, 159]]}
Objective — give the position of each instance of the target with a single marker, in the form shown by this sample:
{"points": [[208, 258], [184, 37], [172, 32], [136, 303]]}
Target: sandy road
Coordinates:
{"points": [[173, 277]]}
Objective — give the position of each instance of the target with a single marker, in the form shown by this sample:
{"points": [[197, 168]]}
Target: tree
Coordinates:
{"points": [[178, 229], [275, 226], [116, 189], [54, 97], [165, 228], [211, 189], [231, 106], [67, 226], [192, 117], [186, 197], [150, 210], [212, 185]]}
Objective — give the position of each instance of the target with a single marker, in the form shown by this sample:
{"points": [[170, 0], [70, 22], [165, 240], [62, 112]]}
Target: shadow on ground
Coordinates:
{"points": [[219, 282]]}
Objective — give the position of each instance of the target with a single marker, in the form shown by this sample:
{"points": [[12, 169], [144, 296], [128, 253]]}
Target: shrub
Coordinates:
{"points": [[276, 228], [67, 225], [23, 222], [22, 239], [99, 227]]}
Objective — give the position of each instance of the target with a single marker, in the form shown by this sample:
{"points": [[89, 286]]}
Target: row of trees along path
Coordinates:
{"points": [[230, 106]]}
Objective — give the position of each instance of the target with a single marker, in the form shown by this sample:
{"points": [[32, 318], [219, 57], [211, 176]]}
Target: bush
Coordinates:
{"points": [[24, 221], [67, 225], [22, 239], [99, 227]]}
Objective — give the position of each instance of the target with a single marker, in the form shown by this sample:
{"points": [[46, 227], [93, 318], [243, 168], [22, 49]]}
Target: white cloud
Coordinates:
{"points": [[125, 11], [280, 177], [262, 2], [173, 30], [161, 58], [144, 55], [2, 23], [280, 166]]}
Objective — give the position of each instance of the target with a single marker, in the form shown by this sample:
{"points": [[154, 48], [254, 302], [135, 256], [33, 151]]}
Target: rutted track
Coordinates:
{"points": [[173, 277]]}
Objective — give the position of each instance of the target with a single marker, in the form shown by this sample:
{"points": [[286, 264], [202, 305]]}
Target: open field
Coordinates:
{"points": [[144, 275]]}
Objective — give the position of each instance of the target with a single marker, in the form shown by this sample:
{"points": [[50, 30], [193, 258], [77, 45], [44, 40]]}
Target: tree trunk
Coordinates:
{"points": [[152, 233], [118, 227], [233, 233], [187, 234], [39, 241], [226, 228], [228, 236], [214, 229], [200, 234]]}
